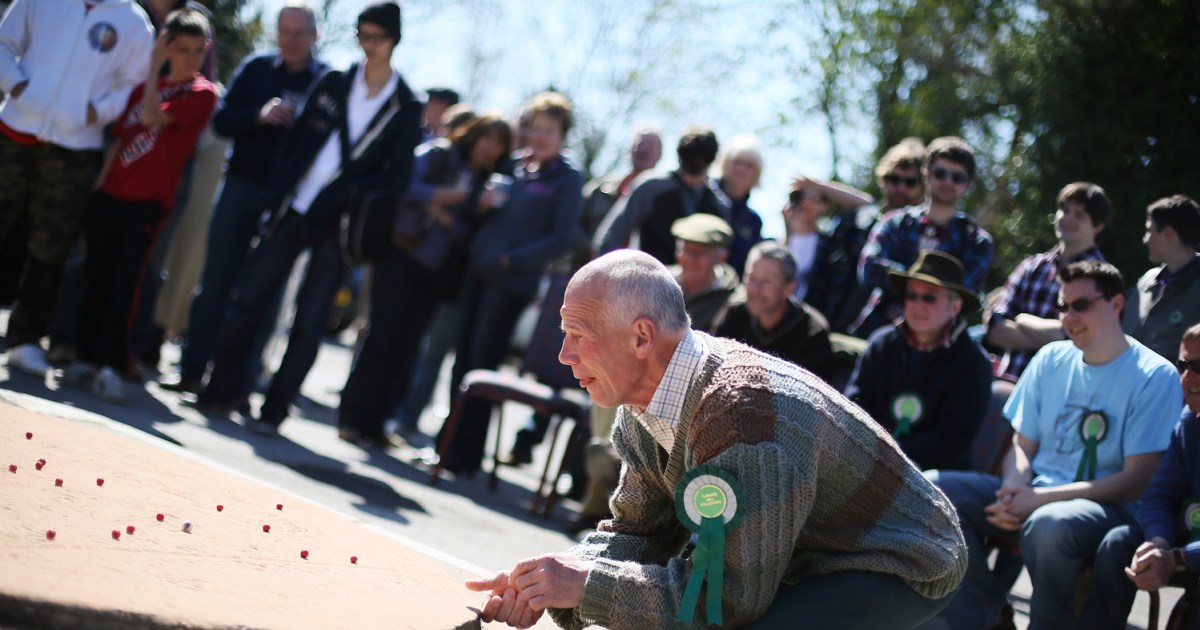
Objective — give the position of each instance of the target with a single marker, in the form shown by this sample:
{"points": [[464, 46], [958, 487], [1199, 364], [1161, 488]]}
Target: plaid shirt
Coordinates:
{"points": [[666, 405], [834, 276], [894, 244], [1032, 288]]}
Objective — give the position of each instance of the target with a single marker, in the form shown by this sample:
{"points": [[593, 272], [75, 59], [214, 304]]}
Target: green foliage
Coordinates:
{"points": [[239, 27]]}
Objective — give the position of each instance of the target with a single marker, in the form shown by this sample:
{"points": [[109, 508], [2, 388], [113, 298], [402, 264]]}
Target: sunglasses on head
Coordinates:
{"points": [[1185, 365], [896, 180], [913, 296], [958, 177], [1080, 305]]}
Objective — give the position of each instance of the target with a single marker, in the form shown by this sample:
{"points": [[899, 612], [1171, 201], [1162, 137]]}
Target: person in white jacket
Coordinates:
{"points": [[68, 67]]}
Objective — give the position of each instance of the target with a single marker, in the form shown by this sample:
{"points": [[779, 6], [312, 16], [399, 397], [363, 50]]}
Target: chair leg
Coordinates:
{"points": [[498, 413], [552, 495], [1154, 607], [555, 422], [448, 430]]}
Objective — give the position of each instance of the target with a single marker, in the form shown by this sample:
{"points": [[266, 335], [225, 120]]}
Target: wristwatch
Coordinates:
{"points": [[1180, 560]]}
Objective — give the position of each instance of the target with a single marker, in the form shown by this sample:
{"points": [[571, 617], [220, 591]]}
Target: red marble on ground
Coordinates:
{"points": [[227, 572]]}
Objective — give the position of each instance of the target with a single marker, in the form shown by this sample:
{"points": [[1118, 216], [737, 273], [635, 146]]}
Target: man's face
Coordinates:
{"points": [[434, 109], [947, 181], [697, 261], [603, 357], [903, 186], [1156, 246], [645, 152], [1073, 226], [374, 41], [186, 53], [767, 291], [1089, 315], [928, 307], [1190, 380], [295, 37]]}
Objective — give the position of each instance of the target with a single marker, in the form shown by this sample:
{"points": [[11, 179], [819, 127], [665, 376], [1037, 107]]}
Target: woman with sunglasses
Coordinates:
{"points": [[924, 379]]}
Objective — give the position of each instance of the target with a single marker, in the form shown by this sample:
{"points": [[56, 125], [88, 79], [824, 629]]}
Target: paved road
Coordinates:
{"points": [[459, 521]]}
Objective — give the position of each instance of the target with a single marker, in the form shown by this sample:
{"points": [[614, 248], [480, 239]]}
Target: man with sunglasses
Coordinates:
{"points": [[1024, 319], [1166, 299], [1162, 548], [834, 288], [924, 379], [900, 236], [1091, 418]]}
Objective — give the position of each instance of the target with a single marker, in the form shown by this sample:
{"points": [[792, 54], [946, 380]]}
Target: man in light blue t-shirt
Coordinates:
{"points": [[1091, 419]]}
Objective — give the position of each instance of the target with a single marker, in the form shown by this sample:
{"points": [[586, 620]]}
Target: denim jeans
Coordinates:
{"points": [[266, 273], [233, 225], [402, 305], [439, 341], [1057, 541]]}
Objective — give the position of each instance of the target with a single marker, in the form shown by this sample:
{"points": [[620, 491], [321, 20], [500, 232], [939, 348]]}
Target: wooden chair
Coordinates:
{"points": [[541, 394]]}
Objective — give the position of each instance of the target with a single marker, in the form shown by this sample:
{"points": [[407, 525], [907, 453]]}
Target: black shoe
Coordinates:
{"points": [[264, 428], [176, 383]]}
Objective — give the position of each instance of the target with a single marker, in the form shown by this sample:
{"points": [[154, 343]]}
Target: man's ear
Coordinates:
{"points": [[956, 305], [1118, 301], [644, 336]]}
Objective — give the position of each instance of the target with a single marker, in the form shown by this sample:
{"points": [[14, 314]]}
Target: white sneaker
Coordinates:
{"points": [[109, 386], [29, 358], [78, 374]]}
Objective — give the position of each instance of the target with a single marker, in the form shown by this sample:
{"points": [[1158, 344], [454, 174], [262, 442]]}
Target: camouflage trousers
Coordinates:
{"points": [[48, 186]]}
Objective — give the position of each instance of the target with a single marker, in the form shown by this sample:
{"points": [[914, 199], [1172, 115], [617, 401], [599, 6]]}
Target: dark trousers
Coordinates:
{"points": [[265, 275], [1112, 594], [233, 225], [488, 314], [120, 235], [48, 186], [850, 600], [437, 343], [403, 300]]}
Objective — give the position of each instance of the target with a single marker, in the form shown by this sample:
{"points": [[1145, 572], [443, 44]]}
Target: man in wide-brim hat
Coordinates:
{"points": [[924, 379]]}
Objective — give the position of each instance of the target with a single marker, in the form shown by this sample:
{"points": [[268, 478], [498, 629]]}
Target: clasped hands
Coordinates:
{"points": [[520, 596], [1152, 566], [1014, 503]]}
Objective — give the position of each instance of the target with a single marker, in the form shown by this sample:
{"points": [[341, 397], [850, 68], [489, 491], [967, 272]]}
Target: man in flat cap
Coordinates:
{"points": [[701, 249]]}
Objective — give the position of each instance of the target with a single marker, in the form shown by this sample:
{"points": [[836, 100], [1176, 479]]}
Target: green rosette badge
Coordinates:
{"points": [[908, 409], [1093, 428], [1191, 519], [706, 501]]}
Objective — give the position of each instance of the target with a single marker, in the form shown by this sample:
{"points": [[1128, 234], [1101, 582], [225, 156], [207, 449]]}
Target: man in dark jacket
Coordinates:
{"points": [[769, 318], [657, 201], [354, 138], [924, 379], [708, 282], [256, 112]]}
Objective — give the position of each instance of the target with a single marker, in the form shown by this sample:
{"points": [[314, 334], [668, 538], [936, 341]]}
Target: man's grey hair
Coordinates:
{"points": [[306, 7], [638, 286], [774, 250]]}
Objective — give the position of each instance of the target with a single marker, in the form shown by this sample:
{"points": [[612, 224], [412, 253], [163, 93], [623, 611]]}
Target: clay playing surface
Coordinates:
{"points": [[227, 571]]}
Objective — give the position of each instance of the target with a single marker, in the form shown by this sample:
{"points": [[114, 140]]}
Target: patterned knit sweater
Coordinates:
{"points": [[824, 489]]}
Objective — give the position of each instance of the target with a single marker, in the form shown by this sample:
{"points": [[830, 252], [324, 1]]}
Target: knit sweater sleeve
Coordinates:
{"points": [[775, 499]]}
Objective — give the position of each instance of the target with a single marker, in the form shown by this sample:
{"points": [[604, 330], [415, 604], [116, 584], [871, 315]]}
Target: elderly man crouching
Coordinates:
{"points": [[750, 490]]}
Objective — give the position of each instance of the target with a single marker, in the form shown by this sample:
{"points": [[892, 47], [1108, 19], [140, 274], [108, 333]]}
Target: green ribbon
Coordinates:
{"points": [[1087, 464], [708, 561], [903, 428]]}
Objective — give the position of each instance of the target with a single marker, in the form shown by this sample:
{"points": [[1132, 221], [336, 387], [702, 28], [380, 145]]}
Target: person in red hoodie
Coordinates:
{"points": [[155, 136]]}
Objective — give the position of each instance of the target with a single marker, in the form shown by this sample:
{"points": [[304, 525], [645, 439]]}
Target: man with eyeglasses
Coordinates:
{"points": [[1166, 299], [1091, 419], [898, 237], [925, 380], [1024, 319], [834, 288], [1162, 548]]}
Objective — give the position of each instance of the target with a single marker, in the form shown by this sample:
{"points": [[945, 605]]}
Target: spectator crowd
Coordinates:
{"points": [[1083, 382]]}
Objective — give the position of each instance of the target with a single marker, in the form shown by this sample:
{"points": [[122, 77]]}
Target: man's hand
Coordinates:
{"points": [[502, 604], [1151, 567], [551, 581], [275, 113], [19, 89], [1014, 503]]}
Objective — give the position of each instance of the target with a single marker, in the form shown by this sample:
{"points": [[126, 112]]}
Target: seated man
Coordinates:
{"points": [[1091, 417], [767, 316], [821, 511], [701, 249], [924, 379], [1163, 547], [1166, 299]]}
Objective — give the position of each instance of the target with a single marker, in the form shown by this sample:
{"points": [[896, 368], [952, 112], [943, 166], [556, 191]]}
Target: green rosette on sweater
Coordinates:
{"points": [[706, 501]]}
